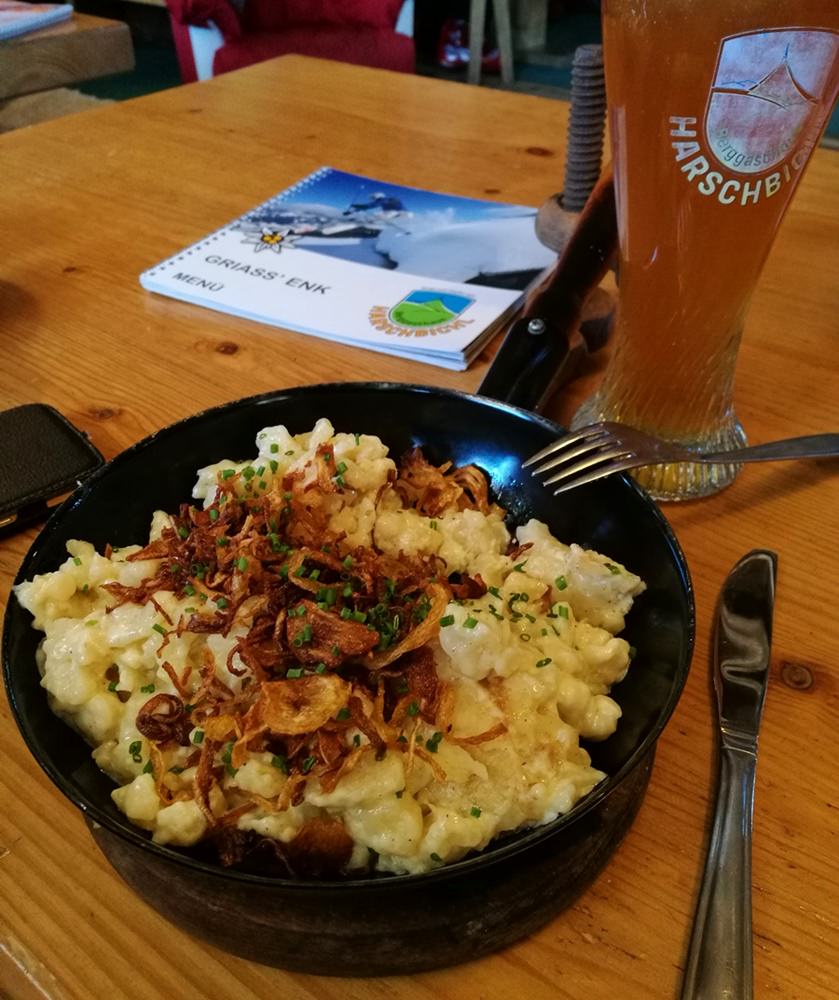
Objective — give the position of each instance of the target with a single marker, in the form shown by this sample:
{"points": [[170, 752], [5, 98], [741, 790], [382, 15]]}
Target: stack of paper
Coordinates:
{"points": [[401, 270]]}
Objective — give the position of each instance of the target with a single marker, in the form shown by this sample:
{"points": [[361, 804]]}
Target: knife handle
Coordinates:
{"points": [[719, 963]]}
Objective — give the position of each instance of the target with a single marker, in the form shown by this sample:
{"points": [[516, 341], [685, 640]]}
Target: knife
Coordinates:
{"points": [[719, 963], [543, 349]]}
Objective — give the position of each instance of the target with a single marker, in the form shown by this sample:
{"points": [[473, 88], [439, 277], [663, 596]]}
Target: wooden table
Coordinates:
{"points": [[83, 48], [82, 219]]}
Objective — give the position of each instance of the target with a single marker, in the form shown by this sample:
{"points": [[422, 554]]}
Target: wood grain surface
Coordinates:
{"points": [[88, 202], [83, 48]]}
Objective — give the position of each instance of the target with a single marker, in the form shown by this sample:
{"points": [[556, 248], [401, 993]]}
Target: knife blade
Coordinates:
{"points": [[719, 962]]}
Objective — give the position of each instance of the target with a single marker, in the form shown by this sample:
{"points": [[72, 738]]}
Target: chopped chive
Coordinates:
{"points": [[274, 465], [432, 744], [221, 541], [340, 481], [336, 650], [543, 662], [274, 448], [77, 561], [343, 714], [347, 591], [315, 574], [261, 470], [447, 620], [248, 472], [562, 611], [159, 628], [307, 633], [432, 525], [475, 811], [494, 591], [183, 531], [294, 673], [263, 485], [561, 583], [134, 749], [519, 567], [341, 468], [227, 473], [613, 569], [284, 570], [84, 589], [148, 769], [198, 736], [470, 622], [91, 623], [320, 668], [413, 709], [112, 686], [308, 764], [176, 770], [280, 763], [356, 740], [287, 495], [189, 590], [357, 439], [241, 564], [147, 689], [348, 561], [359, 616], [221, 602]]}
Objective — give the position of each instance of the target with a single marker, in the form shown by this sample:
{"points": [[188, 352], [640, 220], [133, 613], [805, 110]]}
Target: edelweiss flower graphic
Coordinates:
{"points": [[272, 238]]}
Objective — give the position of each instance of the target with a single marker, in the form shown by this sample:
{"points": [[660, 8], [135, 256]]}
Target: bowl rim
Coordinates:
{"points": [[519, 840]]}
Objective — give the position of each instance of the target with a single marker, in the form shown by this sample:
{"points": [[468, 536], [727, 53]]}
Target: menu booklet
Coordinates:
{"points": [[405, 271]]}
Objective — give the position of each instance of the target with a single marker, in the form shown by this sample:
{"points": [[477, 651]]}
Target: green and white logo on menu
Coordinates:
{"points": [[422, 312]]}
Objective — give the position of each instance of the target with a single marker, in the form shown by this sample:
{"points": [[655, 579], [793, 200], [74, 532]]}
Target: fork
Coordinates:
{"points": [[604, 448]]}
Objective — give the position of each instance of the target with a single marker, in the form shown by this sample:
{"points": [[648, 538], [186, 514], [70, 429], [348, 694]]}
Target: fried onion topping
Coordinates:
{"points": [[328, 656]]}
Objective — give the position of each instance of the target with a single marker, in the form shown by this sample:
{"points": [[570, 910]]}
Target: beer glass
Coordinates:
{"points": [[714, 109]]}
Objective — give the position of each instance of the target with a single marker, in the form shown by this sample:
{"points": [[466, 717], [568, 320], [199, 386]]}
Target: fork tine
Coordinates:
{"points": [[591, 446], [584, 434], [601, 473], [606, 456]]}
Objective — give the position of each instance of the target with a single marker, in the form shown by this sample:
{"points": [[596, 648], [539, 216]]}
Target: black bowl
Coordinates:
{"points": [[376, 924]]}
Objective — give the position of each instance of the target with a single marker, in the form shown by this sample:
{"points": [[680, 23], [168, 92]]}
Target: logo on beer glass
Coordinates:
{"points": [[767, 87]]}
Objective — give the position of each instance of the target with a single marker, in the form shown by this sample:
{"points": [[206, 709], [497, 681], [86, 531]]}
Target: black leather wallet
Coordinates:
{"points": [[42, 456]]}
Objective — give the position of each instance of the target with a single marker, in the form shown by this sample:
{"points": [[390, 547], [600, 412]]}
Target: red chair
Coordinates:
{"points": [[216, 36]]}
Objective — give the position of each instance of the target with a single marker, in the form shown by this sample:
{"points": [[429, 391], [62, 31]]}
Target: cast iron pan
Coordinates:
{"points": [[387, 924]]}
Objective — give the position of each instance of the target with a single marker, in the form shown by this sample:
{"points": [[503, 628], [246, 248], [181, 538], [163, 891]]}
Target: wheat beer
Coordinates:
{"points": [[714, 109]]}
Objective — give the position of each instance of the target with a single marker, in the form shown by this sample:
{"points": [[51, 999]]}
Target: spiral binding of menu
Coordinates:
{"points": [[361, 261]]}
